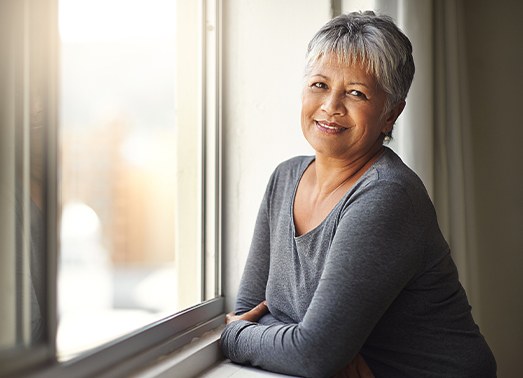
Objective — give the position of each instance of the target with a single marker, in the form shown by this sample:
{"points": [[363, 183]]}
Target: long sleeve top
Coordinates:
{"points": [[375, 277]]}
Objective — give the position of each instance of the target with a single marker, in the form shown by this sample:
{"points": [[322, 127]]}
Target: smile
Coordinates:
{"points": [[329, 127]]}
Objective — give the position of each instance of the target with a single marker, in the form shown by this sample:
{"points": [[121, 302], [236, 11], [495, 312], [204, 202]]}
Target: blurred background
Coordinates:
{"points": [[121, 182]]}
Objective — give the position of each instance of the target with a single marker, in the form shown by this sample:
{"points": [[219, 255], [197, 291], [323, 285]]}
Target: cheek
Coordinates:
{"points": [[304, 119], [308, 107], [304, 111], [371, 118], [307, 116]]}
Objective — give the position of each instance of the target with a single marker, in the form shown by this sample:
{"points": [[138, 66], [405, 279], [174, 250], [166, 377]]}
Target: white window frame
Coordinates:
{"points": [[144, 346]]}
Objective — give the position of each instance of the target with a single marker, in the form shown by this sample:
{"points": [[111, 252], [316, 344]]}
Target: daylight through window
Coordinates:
{"points": [[131, 167]]}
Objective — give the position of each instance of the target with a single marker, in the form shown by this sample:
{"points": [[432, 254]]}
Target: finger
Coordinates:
{"points": [[252, 315], [231, 317]]}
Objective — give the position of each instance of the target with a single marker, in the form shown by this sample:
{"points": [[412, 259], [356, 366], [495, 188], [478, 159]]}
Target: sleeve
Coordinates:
{"points": [[255, 274], [372, 257]]}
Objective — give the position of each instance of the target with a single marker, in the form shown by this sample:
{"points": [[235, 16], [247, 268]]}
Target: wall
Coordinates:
{"points": [[494, 36]]}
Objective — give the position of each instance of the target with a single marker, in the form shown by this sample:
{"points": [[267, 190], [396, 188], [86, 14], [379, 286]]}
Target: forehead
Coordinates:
{"points": [[333, 67]]}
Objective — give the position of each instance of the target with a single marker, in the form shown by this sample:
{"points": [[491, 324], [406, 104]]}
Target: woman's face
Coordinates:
{"points": [[342, 110]]}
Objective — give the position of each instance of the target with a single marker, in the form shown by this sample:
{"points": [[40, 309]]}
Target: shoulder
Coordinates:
{"points": [[296, 163], [395, 187], [391, 172], [391, 168], [284, 178], [291, 169]]}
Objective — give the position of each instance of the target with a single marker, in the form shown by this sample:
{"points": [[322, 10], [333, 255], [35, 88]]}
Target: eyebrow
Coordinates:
{"points": [[350, 83]]}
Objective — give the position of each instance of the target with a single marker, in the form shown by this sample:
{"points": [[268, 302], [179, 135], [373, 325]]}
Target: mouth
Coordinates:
{"points": [[329, 127]]}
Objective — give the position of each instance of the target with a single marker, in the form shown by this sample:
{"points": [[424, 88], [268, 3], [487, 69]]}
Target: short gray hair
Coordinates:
{"points": [[373, 40]]}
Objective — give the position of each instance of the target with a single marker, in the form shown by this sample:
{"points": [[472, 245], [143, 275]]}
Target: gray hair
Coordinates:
{"points": [[370, 39]]}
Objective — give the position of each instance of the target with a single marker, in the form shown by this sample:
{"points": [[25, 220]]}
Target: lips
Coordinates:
{"points": [[330, 127]]}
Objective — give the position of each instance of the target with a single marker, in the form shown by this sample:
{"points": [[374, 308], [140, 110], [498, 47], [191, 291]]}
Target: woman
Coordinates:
{"points": [[347, 262]]}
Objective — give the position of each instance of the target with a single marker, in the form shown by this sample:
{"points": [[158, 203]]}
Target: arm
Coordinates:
{"points": [[371, 259], [357, 368], [254, 278]]}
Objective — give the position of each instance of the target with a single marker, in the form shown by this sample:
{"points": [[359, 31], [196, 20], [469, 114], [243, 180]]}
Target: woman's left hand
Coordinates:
{"points": [[251, 316]]}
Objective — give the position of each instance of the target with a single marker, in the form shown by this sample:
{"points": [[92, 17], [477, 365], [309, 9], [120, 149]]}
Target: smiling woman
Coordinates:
{"points": [[348, 273]]}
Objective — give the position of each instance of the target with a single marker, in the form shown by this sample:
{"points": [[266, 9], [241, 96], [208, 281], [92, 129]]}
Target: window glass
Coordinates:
{"points": [[131, 167]]}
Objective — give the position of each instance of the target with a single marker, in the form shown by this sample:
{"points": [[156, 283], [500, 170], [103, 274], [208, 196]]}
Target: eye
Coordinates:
{"points": [[319, 85], [356, 93]]}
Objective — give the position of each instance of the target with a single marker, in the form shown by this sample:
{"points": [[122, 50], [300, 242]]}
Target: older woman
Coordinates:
{"points": [[347, 262]]}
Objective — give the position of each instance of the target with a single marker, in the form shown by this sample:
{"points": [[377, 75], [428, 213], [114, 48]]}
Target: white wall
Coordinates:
{"points": [[264, 48]]}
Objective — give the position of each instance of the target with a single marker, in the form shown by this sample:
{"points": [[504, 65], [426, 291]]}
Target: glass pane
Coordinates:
{"points": [[131, 167]]}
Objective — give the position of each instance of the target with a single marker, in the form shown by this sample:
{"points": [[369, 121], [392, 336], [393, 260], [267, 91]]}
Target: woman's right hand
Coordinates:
{"points": [[252, 315], [357, 368]]}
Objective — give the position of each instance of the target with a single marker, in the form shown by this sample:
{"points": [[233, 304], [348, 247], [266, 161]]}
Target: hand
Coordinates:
{"points": [[357, 368], [252, 315]]}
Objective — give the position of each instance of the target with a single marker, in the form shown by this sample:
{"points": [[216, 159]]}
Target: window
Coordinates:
{"points": [[109, 179]]}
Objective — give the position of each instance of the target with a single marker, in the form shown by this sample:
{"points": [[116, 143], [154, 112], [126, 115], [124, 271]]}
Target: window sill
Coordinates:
{"points": [[188, 339], [199, 355], [201, 358]]}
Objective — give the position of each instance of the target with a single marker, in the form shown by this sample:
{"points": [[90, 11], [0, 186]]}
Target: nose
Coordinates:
{"points": [[333, 104]]}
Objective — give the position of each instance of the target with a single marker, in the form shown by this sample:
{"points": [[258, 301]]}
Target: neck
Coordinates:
{"points": [[332, 174]]}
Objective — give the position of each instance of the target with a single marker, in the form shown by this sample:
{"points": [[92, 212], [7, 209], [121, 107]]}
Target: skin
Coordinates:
{"points": [[252, 316], [343, 119]]}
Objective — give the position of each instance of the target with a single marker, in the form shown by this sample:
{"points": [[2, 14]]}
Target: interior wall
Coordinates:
{"points": [[494, 40]]}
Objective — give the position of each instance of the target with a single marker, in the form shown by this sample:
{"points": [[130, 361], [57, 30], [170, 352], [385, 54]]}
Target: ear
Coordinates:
{"points": [[392, 116]]}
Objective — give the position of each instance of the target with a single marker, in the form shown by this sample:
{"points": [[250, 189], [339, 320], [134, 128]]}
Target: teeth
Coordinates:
{"points": [[329, 127]]}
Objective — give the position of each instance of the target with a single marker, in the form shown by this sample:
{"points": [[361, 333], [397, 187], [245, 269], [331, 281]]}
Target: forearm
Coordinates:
{"points": [[310, 348], [278, 348]]}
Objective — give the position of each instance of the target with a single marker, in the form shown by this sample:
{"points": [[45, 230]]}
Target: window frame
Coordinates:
{"points": [[32, 33], [143, 346]]}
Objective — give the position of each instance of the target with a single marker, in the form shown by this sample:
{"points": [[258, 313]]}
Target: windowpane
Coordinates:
{"points": [[131, 167]]}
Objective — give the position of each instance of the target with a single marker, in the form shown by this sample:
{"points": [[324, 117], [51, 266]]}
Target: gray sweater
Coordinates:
{"points": [[375, 277]]}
